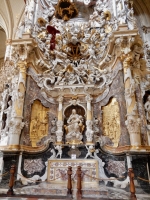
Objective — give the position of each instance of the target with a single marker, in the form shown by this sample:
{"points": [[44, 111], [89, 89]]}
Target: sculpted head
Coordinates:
{"points": [[73, 111]]}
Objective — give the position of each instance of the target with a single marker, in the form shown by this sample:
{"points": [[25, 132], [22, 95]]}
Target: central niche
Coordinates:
{"points": [[74, 124]]}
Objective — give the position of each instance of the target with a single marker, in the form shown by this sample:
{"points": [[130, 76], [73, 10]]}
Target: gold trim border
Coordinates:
{"points": [[125, 149], [29, 149], [107, 149]]}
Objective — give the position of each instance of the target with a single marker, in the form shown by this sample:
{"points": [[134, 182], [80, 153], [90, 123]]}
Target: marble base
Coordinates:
{"points": [[57, 170], [46, 188], [100, 192]]}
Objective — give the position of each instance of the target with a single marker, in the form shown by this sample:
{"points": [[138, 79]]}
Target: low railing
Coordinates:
{"points": [[79, 173], [10, 192]]}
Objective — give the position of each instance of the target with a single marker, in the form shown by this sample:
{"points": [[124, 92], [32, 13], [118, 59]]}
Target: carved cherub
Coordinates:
{"points": [[53, 156], [90, 152], [59, 149], [54, 126]]}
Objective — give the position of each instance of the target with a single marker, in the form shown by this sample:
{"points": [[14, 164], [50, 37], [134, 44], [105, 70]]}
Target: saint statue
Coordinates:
{"points": [[74, 128]]}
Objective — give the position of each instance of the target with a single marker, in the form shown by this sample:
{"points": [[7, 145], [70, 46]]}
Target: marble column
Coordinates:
{"points": [[36, 11], [114, 7], [19, 166], [1, 165], [133, 121], [59, 132], [129, 160], [89, 107], [8, 49], [89, 123], [29, 15], [18, 104]]}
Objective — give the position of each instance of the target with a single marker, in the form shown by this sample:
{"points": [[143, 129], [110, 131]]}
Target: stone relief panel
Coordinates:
{"points": [[111, 121], [117, 91], [33, 165], [33, 93], [57, 169], [38, 123], [116, 167]]}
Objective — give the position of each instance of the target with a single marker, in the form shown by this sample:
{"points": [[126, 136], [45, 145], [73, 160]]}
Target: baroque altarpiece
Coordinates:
{"points": [[75, 84]]}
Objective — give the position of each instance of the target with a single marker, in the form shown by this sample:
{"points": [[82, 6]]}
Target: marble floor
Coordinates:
{"points": [[88, 192]]}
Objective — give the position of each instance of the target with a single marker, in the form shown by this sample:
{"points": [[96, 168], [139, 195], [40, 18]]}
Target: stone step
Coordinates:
{"points": [[59, 191]]}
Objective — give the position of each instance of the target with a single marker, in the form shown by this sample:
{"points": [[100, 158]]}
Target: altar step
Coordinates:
{"points": [[45, 191], [61, 190], [50, 190]]}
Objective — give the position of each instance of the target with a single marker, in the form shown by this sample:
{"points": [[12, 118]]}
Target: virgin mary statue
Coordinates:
{"points": [[74, 128]]}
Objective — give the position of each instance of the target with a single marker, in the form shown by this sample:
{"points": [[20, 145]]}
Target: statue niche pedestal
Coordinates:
{"points": [[57, 170]]}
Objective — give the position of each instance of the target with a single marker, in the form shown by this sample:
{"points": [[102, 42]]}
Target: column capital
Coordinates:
{"points": [[60, 99], [88, 98], [22, 66], [8, 41]]}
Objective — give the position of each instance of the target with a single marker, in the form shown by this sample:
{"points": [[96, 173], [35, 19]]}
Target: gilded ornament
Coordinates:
{"points": [[39, 122], [108, 29], [66, 10], [108, 15], [111, 121], [41, 21]]}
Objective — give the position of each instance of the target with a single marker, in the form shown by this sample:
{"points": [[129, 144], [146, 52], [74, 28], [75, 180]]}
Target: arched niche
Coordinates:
{"points": [[79, 109]]}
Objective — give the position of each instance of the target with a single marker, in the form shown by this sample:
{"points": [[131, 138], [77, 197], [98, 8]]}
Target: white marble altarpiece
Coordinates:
{"points": [[78, 76]]}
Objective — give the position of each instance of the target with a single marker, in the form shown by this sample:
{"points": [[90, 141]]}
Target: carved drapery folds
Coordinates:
{"points": [[111, 121], [39, 122], [74, 128]]}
